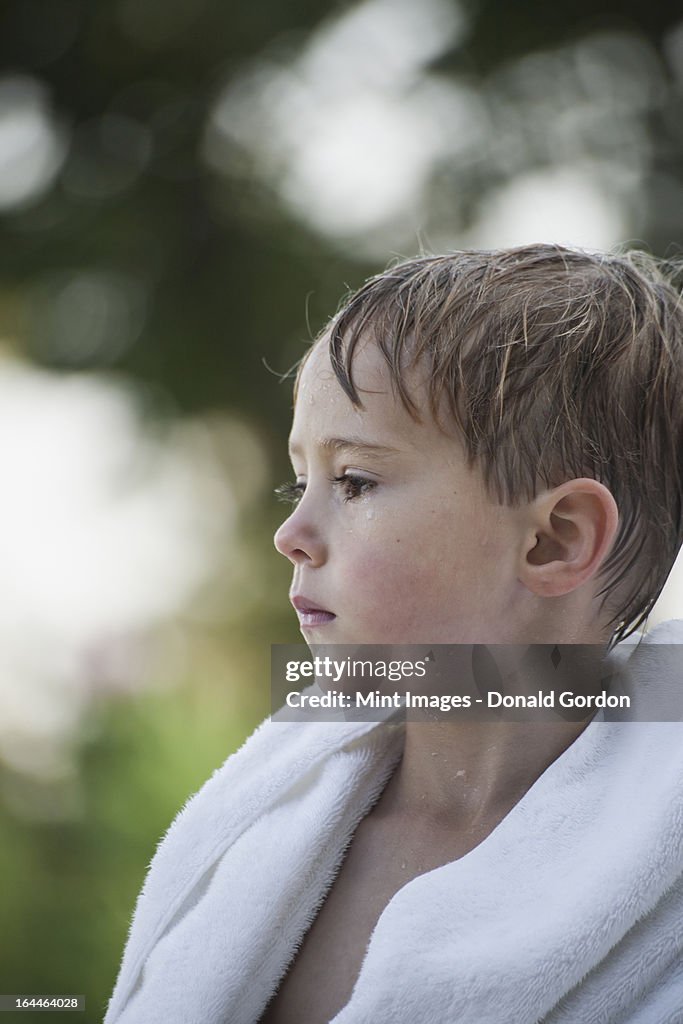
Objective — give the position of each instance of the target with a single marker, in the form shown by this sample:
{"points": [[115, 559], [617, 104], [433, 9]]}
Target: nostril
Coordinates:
{"points": [[299, 539], [288, 543]]}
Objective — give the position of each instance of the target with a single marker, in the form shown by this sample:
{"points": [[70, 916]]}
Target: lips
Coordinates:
{"points": [[311, 614]]}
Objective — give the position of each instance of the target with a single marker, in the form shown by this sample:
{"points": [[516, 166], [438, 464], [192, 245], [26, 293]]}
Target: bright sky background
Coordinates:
{"points": [[107, 531]]}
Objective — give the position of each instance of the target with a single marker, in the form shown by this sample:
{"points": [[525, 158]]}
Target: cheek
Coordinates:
{"points": [[441, 558], [406, 571], [377, 565]]}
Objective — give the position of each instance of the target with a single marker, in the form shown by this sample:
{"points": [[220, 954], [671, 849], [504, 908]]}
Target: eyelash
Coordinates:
{"points": [[353, 487]]}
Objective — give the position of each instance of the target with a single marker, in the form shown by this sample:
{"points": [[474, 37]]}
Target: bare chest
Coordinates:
{"points": [[378, 863]]}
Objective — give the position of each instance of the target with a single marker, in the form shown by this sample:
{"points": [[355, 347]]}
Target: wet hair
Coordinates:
{"points": [[555, 363]]}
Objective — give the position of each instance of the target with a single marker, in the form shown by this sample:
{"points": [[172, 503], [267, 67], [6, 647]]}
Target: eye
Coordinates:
{"points": [[290, 492], [353, 486]]}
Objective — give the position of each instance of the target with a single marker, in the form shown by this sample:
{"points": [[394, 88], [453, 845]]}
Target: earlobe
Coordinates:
{"points": [[571, 529]]}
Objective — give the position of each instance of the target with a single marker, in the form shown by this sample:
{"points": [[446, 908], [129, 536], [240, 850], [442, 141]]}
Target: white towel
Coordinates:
{"points": [[571, 910]]}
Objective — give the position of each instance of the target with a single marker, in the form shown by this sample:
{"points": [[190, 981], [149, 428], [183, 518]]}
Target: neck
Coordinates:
{"points": [[465, 773], [462, 772]]}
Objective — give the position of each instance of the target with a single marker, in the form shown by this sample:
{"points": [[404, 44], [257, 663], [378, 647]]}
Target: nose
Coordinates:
{"points": [[299, 540]]}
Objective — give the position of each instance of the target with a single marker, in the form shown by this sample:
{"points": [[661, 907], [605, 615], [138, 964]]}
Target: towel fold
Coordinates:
{"points": [[571, 910]]}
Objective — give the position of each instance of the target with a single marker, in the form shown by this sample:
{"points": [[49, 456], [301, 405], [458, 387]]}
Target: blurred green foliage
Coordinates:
{"points": [[73, 884]]}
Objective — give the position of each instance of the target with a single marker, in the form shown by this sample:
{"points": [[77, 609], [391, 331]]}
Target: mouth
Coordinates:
{"points": [[311, 614]]}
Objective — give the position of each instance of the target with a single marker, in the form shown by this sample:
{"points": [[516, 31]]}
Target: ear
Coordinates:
{"points": [[568, 534]]}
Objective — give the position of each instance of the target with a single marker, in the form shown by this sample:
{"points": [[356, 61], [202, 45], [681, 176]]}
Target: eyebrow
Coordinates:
{"points": [[350, 446]]}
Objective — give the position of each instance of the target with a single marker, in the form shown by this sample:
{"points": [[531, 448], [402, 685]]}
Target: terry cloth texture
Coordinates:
{"points": [[571, 910]]}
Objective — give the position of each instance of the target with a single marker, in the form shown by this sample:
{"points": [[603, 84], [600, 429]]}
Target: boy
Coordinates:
{"points": [[487, 449]]}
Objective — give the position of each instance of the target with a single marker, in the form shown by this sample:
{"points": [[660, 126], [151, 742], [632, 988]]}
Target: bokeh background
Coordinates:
{"points": [[187, 189]]}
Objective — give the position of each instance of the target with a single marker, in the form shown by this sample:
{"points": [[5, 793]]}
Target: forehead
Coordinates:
{"points": [[321, 401]]}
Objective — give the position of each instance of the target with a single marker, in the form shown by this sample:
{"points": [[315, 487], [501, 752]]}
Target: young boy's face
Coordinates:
{"points": [[393, 539]]}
